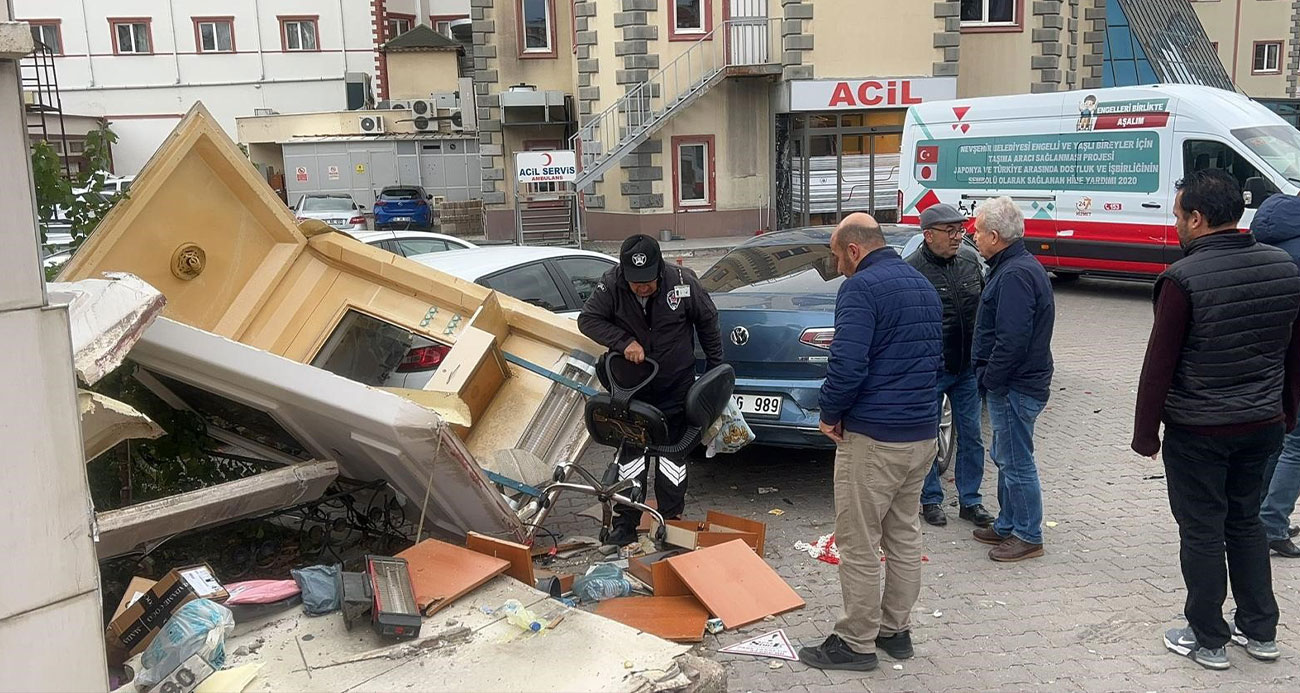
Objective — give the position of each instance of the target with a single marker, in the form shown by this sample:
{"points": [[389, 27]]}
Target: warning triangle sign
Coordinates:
{"points": [[773, 644]]}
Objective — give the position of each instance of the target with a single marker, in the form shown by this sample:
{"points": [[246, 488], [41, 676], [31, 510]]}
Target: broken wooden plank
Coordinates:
{"points": [[734, 583], [680, 619], [520, 557], [125, 529], [442, 573]]}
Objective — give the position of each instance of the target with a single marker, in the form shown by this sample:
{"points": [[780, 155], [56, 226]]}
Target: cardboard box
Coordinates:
{"points": [[134, 590], [136, 625], [717, 528]]}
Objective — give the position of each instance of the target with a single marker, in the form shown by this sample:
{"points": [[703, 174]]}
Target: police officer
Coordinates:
{"points": [[642, 309]]}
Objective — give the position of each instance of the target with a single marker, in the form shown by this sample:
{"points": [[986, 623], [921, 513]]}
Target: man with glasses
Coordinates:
{"points": [[954, 268]]}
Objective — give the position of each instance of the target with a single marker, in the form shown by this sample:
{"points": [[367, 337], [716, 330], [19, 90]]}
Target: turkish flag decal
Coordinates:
{"points": [[927, 154]]}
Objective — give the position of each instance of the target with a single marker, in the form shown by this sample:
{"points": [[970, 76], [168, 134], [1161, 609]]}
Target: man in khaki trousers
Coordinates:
{"points": [[878, 405]]}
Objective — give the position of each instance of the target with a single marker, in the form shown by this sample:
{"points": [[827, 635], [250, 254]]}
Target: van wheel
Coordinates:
{"points": [[1066, 277]]}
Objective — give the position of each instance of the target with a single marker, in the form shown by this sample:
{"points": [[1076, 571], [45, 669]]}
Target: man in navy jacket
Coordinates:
{"points": [[878, 405], [1012, 356]]}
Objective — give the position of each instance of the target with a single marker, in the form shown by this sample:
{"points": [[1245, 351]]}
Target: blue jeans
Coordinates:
{"points": [[963, 390], [1281, 486], [1019, 493]]}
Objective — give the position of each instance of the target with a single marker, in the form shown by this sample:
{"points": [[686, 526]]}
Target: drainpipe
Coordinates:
{"points": [[261, 49], [1236, 42], [85, 27], [176, 46], [343, 38]]}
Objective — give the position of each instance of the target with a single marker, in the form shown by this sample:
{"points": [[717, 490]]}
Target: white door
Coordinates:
{"points": [[747, 32]]}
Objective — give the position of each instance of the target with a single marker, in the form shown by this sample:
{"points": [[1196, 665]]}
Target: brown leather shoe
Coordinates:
{"points": [[986, 535], [1015, 549]]}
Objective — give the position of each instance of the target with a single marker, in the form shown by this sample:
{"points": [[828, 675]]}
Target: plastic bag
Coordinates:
{"points": [[198, 627], [320, 588], [729, 433], [603, 581], [261, 591]]}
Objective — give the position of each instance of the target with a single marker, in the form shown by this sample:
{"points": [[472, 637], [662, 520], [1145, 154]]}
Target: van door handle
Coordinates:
{"points": [[1151, 205]]}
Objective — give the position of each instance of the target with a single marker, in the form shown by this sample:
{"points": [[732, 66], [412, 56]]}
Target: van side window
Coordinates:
{"points": [[1203, 154]]}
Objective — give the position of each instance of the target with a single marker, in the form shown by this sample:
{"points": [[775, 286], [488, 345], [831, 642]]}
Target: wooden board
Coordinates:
{"points": [[442, 573], [734, 584], [520, 557], [680, 619]]}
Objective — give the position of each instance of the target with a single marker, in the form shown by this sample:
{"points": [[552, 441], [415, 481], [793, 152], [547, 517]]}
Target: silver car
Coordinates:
{"points": [[338, 210]]}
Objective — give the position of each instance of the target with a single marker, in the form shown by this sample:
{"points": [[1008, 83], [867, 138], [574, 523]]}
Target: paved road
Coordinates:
{"points": [[1086, 617]]}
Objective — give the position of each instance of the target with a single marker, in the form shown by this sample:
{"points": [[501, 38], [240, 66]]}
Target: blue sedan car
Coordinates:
{"points": [[403, 207], [776, 310]]}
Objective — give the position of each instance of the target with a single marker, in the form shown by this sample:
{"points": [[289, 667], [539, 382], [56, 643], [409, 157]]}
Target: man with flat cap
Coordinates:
{"points": [[644, 308], [953, 266]]}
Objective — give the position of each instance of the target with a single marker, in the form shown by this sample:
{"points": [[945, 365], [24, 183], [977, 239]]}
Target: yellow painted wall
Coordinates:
{"points": [[416, 75], [995, 64], [544, 73], [865, 38]]}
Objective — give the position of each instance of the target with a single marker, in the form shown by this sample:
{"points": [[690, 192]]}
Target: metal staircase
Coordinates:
{"points": [[740, 47]]}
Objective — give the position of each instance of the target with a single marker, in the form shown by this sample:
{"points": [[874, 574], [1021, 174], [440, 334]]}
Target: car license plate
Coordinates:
{"points": [[401, 218], [761, 405], [337, 223]]}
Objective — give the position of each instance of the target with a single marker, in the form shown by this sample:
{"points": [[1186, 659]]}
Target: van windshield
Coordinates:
{"points": [[1278, 145]]}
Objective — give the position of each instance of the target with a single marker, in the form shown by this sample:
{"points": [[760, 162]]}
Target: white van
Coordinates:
{"points": [[1094, 171]]}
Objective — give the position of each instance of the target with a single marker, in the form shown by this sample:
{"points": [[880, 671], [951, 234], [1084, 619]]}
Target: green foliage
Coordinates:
{"points": [[82, 211]]}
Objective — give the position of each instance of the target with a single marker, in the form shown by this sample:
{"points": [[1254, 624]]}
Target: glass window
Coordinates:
{"points": [[693, 174], [216, 37], [327, 203], [299, 34], [1277, 145], [688, 15], [400, 194], [1126, 73], [397, 26], [1268, 57], [530, 283], [1202, 154], [443, 28], [584, 273], [1146, 75], [364, 349], [48, 36], [132, 37], [235, 417], [420, 246], [537, 25], [992, 12]]}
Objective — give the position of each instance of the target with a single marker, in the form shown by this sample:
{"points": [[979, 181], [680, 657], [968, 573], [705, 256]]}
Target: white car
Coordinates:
{"points": [[557, 279], [336, 209], [411, 243]]}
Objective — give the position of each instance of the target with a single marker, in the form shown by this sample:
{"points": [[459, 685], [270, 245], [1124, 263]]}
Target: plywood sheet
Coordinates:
{"points": [[734, 583], [680, 619], [519, 556], [442, 573]]}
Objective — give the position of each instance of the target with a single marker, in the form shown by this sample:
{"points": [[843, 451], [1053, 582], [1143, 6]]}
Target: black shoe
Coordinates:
{"points": [[933, 514], [1293, 532], [621, 536], [835, 654], [898, 645], [1285, 547], [977, 515]]}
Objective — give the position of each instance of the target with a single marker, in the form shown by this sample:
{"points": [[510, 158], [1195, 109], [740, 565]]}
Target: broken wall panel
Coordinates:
{"points": [[370, 433], [127, 529]]}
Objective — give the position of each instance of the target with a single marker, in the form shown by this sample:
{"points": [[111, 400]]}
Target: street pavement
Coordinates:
{"points": [[1088, 616]]}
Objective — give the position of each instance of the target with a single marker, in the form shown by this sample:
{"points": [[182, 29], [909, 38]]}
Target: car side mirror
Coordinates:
{"points": [[1256, 190], [361, 206], [428, 197]]}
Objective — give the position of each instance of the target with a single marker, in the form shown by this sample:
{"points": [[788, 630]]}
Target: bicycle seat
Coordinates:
{"points": [[615, 418]]}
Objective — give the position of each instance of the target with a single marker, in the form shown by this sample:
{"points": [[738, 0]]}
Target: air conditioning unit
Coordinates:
{"points": [[264, 111], [371, 124], [421, 107], [398, 105], [447, 100], [425, 124]]}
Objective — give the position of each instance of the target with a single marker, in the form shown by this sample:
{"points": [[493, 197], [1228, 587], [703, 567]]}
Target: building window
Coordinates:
{"points": [[298, 33], [398, 24], [690, 19], [214, 34], [693, 172], [443, 28], [441, 23], [537, 28], [988, 12], [48, 34], [1124, 60], [76, 147], [131, 36], [1268, 57]]}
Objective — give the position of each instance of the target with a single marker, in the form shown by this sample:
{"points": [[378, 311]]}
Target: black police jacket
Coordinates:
{"points": [[959, 281], [666, 328]]}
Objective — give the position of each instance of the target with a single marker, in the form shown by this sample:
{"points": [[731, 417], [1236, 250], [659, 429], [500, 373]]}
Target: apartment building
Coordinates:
{"points": [[140, 64], [1257, 42], [722, 117]]}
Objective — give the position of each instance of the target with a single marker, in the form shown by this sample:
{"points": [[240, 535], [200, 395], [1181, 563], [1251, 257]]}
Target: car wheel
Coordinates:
{"points": [[1066, 277], [947, 437]]}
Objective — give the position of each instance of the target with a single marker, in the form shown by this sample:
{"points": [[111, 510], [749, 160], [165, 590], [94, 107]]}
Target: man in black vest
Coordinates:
{"points": [[1222, 370], [954, 269]]}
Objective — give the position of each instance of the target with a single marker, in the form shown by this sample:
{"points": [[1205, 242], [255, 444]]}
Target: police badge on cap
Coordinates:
{"points": [[640, 259]]}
